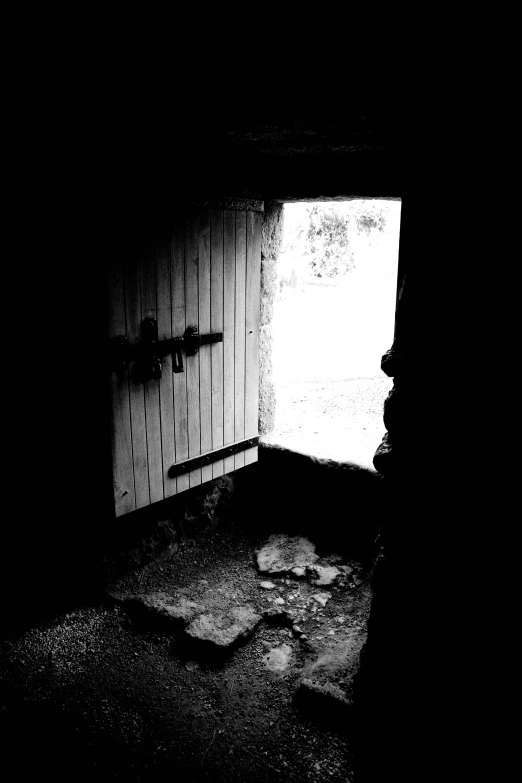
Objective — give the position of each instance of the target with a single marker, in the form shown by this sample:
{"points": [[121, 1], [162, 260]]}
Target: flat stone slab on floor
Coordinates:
{"points": [[172, 612], [162, 607], [224, 628], [325, 687], [283, 553], [324, 701]]}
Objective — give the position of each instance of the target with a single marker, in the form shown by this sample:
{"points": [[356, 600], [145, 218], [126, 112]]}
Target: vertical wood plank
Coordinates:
{"points": [[205, 367], [136, 390], [251, 455], [192, 319], [229, 309], [122, 464], [166, 387], [252, 320], [149, 309], [216, 325], [239, 347], [177, 259]]}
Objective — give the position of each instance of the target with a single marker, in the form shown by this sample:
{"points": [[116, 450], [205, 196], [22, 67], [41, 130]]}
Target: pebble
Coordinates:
{"points": [[278, 659], [279, 601], [321, 598], [267, 585], [326, 574]]}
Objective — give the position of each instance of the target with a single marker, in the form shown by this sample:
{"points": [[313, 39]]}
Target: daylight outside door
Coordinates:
{"points": [[184, 355]]}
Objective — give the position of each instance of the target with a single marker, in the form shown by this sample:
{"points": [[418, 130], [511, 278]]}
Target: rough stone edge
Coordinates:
{"points": [[229, 202], [324, 462], [324, 704], [327, 690], [271, 241], [286, 571], [351, 197], [267, 394], [209, 644]]}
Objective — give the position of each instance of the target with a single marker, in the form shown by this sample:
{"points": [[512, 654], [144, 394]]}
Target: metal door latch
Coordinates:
{"points": [[149, 352]]}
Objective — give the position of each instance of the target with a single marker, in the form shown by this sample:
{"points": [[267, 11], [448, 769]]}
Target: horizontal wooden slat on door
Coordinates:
{"points": [[204, 273]]}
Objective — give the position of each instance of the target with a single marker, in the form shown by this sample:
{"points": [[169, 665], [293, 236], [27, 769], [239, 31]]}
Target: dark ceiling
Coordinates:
{"points": [[294, 150]]}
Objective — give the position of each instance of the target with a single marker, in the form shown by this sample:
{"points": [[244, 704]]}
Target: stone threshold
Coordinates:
{"points": [[359, 456]]}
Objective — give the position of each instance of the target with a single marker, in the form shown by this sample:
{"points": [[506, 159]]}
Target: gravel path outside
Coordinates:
{"points": [[328, 344], [339, 420]]}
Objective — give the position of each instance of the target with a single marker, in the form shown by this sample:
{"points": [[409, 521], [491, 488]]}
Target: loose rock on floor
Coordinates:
{"points": [[282, 553], [118, 686], [226, 628]]}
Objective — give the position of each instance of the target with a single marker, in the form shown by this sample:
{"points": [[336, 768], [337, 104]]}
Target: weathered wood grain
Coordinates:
{"points": [[166, 383], [151, 385], [121, 436], [252, 318], [205, 273], [229, 308], [205, 368], [239, 359], [216, 325], [136, 389], [192, 229], [177, 260]]}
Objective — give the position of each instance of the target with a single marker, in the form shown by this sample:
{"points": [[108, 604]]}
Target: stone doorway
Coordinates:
{"points": [[333, 318]]}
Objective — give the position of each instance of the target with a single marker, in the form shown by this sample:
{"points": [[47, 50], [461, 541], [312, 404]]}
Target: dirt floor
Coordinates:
{"points": [[103, 693], [95, 694]]}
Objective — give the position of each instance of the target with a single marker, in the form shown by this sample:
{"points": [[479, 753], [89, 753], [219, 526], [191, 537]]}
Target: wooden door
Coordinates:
{"points": [[172, 432]]}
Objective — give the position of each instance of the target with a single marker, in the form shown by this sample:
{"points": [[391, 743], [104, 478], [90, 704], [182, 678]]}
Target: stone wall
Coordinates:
{"points": [[339, 505], [406, 675], [271, 240], [156, 531]]}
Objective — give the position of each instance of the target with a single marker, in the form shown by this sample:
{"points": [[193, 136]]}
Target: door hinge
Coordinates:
{"points": [[212, 456]]}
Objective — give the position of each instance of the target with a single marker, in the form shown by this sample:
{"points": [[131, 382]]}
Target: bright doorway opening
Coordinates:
{"points": [[333, 319]]}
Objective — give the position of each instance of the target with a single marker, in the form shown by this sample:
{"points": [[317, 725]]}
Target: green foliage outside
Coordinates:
{"points": [[328, 249], [325, 237]]}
